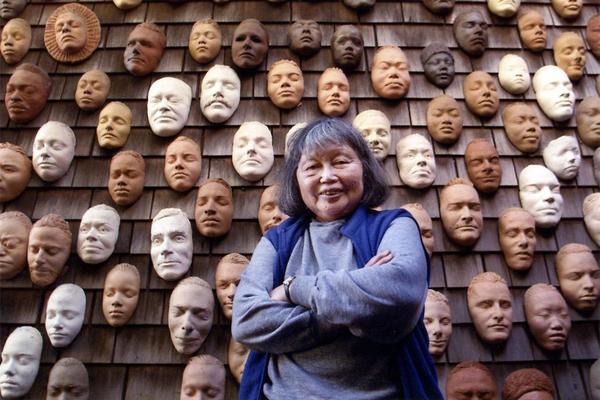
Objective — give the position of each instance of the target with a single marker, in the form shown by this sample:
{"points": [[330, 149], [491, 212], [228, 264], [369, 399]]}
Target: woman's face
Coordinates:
{"points": [[331, 181]]}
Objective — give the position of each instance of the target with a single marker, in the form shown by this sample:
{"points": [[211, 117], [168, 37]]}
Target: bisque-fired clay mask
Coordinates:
{"points": [[532, 30], [203, 378], [127, 4], [169, 101], [460, 209], [347, 47], [114, 125], [568, 9], [333, 92], [554, 92], [471, 32], [285, 84], [425, 225], [121, 294], [527, 383], [214, 208], [65, 313], [513, 74], [27, 92], [252, 153], [359, 5], [220, 95], [98, 233], [11, 8], [237, 355], [539, 192], [587, 117], [483, 165], [16, 40], [14, 234], [126, 178], [92, 90], [439, 6], [145, 47], [227, 279], [20, 361], [562, 156], [53, 150], [522, 127], [503, 8], [516, 234], [438, 64], [389, 73], [250, 44], [444, 119], [470, 379], [305, 37], [592, 34], [375, 128], [569, 54], [416, 163], [547, 316], [172, 246], [490, 307], [68, 380], [48, 249], [72, 33], [595, 380], [15, 171], [578, 276], [183, 163], [269, 214], [205, 41], [438, 322], [481, 94], [191, 309], [591, 216]]}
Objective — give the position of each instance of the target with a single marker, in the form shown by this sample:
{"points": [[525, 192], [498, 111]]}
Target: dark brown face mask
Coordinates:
{"points": [[305, 37], [347, 47], [26, 93], [250, 44], [471, 33], [438, 65]]}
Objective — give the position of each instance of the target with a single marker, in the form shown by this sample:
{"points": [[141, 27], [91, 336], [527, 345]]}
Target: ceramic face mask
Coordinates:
{"points": [[425, 225], [127, 4], [539, 192], [438, 322], [547, 316], [53, 150], [16, 40], [220, 95], [114, 125], [568, 9], [359, 5], [528, 383], [214, 208], [126, 179], [471, 32], [439, 6], [490, 307], [305, 37], [522, 127], [569, 54], [237, 355], [27, 91], [562, 156], [68, 380], [70, 32], [65, 313], [252, 152], [554, 92], [483, 165], [595, 380], [14, 233], [285, 84], [591, 216], [11, 8], [438, 64], [532, 30], [513, 74], [592, 34], [587, 116], [347, 47], [444, 119], [375, 128], [98, 232], [503, 8], [172, 246], [205, 41], [468, 379], [92, 90], [416, 162], [481, 94], [333, 92], [579, 276], [183, 163], [145, 47], [203, 378], [227, 279], [269, 214], [516, 234], [389, 73], [20, 361], [15, 171], [460, 210], [190, 314], [121, 294], [48, 249], [169, 101], [250, 44]]}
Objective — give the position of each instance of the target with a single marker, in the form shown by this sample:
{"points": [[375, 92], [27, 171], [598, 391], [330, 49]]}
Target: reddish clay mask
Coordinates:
{"points": [[483, 165], [15, 171], [444, 119], [14, 234], [27, 91], [516, 234], [145, 47], [121, 294], [126, 179]]}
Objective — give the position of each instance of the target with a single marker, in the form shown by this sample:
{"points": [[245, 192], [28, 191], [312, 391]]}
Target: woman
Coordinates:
{"points": [[321, 326]]}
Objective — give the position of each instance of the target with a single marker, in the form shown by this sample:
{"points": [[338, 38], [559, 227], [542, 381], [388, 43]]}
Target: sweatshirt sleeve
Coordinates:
{"points": [[382, 303], [268, 325]]}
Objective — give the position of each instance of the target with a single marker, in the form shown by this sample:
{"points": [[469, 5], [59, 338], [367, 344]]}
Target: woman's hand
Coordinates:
{"points": [[378, 259], [278, 294]]}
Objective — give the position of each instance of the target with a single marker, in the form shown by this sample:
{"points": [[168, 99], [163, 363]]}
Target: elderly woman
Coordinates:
{"points": [[332, 302]]}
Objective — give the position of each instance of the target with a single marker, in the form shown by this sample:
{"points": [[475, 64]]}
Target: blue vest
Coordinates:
{"points": [[416, 373]]}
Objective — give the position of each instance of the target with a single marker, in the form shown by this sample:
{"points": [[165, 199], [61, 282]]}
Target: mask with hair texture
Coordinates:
{"points": [[438, 64], [53, 150], [563, 157], [16, 40], [513, 74], [26, 93], [465, 380], [47, 252], [490, 307]]}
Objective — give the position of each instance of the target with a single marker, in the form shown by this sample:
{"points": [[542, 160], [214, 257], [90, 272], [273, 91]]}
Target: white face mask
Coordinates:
{"points": [[554, 92], [220, 95], [503, 8], [98, 233], [252, 153], [513, 74], [539, 192], [375, 129], [64, 314], [20, 362], [172, 246], [562, 156], [591, 217], [416, 161], [169, 101], [53, 150]]}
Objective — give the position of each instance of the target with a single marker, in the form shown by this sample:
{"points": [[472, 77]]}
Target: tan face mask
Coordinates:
{"points": [[250, 44], [114, 125], [592, 34], [587, 115], [532, 30], [14, 235], [237, 355], [444, 119], [516, 234], [483, 165], [425, 225], [490, 307], [460, 209], [389, 73], [205, 41], [333, 92], [15, 172], [92, 90], [48, 250], [126, 179], [183, 164], [214, 209], [16, 40], [121, 294], [568, 9], [481, 94], [269, 214], [522, 127], [227, 279], [285, 84], [569, 54]]}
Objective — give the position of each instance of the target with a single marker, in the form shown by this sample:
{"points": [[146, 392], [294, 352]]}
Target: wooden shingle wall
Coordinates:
{"points": [[138, 360]]}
